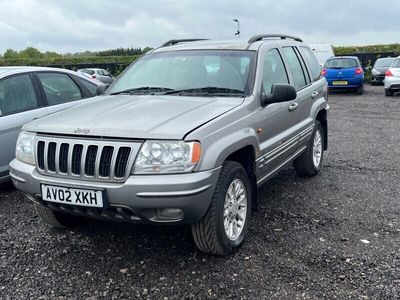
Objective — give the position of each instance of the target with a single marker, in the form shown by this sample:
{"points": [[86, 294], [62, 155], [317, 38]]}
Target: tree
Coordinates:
{"points": [[30, 52], [10, 54]]}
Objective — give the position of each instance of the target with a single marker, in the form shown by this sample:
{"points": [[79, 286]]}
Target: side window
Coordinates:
{"points": [[312, 62], [295, 67], [91, 87], [16, 95], [274, 70], [59, 88]]}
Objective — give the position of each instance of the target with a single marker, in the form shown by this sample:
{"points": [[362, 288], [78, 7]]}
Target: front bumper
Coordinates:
{"points": [[139, 199], [392, 83]]}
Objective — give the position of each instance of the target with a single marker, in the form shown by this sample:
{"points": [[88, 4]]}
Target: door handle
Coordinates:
{"points": [[314, 94], [293, 106]]}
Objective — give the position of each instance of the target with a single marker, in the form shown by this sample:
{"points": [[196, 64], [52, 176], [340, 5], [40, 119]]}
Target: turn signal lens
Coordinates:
{"points": [[196, 153]]}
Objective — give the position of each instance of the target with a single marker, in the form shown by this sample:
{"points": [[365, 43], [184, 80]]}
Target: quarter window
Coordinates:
{"points": [[59, 88], [16, 95], [312, 62], [299, 77], [274, 70]]}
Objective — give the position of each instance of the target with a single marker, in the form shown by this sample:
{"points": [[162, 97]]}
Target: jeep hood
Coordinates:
{"points": [[137, 117]]}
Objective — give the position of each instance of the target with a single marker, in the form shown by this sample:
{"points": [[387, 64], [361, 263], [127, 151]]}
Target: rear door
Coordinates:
{"points": [[302, 81], [20, 103], [59, 90]]}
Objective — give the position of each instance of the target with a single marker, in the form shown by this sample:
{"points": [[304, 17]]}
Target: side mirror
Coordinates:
{"points": [[101, 89], [280, 93]]}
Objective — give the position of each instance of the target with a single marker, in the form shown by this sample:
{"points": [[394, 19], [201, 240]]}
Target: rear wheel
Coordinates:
{"points": [[223, 228], [360, 90], [310, 161], [388, 92], [58, 219]]}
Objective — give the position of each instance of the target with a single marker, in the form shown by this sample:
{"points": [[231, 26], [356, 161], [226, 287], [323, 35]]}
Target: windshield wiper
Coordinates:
{"points": [[208, 90], [143, 89]]}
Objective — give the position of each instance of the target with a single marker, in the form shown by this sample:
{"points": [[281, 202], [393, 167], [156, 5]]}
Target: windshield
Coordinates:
{"points": [[341, 63], [212, 70], [384, 62]]}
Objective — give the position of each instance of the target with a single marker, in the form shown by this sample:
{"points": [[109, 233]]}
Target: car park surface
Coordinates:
{"points": [[29, 93], [335, 236]]}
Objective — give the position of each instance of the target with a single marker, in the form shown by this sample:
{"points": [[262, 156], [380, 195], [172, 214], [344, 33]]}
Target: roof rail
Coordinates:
{"points": [[174, 42], [260, 37]]}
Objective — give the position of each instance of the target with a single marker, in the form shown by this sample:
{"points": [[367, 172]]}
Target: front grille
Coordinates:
{"points": [[88, 159]]}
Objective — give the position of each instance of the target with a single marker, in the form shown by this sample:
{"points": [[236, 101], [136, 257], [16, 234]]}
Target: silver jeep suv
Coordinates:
{"points": [[185, 135]]}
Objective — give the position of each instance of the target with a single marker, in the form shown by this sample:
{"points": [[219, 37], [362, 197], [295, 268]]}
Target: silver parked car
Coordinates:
{"points": [[185, 135], [28, 93], [392, 78], [99, 74]]}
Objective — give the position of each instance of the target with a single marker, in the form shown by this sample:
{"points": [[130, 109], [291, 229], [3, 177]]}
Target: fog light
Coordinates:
{"points": [[170, 213]]}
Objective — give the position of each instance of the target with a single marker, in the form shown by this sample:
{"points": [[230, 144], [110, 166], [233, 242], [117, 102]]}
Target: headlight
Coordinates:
{"points": [[160, 157], [375, 72], [24, 148]]}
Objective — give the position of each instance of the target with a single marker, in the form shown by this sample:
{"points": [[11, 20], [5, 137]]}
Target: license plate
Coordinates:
{"points": [[72, 196], [339, 82]]}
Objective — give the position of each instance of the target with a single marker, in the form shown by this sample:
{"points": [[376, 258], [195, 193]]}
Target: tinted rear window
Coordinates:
{"points": [[341, 63]]}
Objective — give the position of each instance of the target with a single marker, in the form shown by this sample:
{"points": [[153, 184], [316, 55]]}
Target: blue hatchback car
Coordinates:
{"points": [[344, 72]]}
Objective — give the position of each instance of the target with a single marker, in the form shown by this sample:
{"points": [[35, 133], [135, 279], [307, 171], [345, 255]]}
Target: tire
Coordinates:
{"points": [[304, 164], [388, 93], [209, 233], [58, 219], [360, 90]]}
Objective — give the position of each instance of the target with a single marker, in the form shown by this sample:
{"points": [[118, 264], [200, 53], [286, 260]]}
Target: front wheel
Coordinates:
{"points": [[310, 161], [223, 228]]}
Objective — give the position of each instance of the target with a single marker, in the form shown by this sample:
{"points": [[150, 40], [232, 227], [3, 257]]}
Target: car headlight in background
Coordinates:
{"points": [[24, 149], [375, 72], [161, 157]]}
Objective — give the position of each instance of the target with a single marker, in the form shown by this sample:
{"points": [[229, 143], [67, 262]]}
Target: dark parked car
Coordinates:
{"points": [[28, 93], [344, 72], [380, 67]]}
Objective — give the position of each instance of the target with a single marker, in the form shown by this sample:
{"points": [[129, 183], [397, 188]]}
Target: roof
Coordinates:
{"points": [[200, 44], [5, 71]]}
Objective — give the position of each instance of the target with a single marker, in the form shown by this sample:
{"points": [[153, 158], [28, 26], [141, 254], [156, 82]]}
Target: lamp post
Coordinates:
{"points": [[238, 27]]}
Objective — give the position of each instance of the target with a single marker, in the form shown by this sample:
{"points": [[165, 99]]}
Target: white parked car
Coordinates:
{"points": [[28, 93], [392, 78], [322, 52]]}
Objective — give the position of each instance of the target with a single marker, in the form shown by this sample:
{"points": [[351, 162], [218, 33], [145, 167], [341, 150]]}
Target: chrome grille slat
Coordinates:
{"points": [[46, 146], [57, 157], [89, 159], [83, 160], [97, 162]]}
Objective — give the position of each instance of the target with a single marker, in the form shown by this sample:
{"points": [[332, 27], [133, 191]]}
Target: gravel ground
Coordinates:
{"points": [[336, 235]]}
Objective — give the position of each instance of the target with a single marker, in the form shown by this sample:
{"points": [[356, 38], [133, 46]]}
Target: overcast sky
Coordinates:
{"points": [[78, 25]]}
